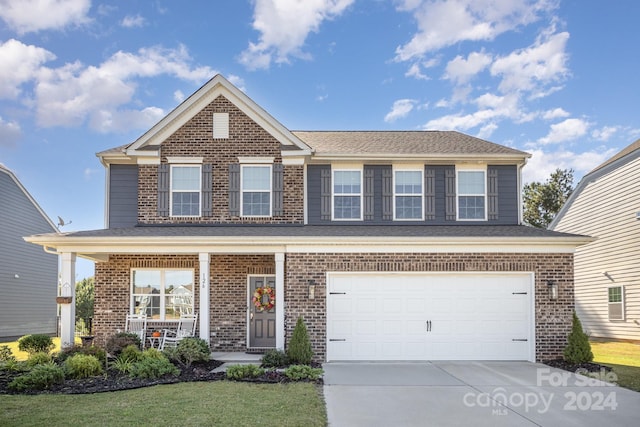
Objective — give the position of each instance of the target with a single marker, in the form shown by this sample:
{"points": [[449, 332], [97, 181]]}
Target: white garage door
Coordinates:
{"points": [[429, 316]]}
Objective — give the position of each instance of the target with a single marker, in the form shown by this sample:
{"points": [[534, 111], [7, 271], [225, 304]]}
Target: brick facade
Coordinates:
{"points": [[195, 139], [228, 313]]}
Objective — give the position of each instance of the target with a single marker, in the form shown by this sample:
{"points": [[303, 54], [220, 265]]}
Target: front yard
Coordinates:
{"points": [[623, 358], [221, 403]]}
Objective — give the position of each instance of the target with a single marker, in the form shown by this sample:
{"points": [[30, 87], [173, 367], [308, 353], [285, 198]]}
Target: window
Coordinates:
{"points": [[185, 190], [256, 190], [471, 195], [616, 303], [347, 194], [162, 294], [407, 189]]}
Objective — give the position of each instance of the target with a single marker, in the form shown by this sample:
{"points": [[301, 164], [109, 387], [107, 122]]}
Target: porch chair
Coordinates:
{"points": [[137, 324], [186, 328]]}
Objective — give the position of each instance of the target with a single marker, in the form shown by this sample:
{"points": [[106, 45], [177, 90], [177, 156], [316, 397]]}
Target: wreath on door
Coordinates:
{"points": [[260, 302]]}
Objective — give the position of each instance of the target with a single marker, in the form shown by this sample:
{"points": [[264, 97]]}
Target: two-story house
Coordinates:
{"points": [[390, 245]]}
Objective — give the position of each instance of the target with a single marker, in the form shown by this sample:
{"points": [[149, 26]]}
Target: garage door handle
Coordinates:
{"points": [[519, 339], [428, 324], [336, 339], [518, 293], [337, 293]]}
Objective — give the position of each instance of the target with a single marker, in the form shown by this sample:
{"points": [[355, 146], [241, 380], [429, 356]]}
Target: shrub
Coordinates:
{"points": [[41, 377], [82, 366], [239, 372], [36, 343], [578, 349], [274, 358], [189, 350], [122, 365], [131, 352], [303, 372], [153, 353], [299, 350], [6, 355], [38, 358], [151, 367], [93, 350], [119, 341]]}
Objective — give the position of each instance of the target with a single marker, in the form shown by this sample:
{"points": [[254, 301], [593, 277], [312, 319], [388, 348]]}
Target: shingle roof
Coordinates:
{"points": [[401, 142], [625, 151]]}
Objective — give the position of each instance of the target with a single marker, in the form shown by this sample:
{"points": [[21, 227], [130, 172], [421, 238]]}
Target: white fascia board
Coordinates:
{"points": [[293, 161]]}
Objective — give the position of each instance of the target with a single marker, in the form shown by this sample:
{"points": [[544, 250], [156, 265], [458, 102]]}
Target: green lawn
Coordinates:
{"points": [[623, 357], [220, 403], [22, 355]]}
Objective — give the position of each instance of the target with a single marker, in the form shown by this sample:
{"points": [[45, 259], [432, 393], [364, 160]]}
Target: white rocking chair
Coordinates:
{"points": [[137, 324], [186, 328]]}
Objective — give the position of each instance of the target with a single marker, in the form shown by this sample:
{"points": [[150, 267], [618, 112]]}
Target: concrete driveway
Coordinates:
{"points": [[472, 393]]}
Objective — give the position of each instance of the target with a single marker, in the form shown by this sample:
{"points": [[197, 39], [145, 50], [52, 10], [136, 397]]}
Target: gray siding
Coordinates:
{"points": [[28, 302], [507, 199], [123, 196], [605, 208]]}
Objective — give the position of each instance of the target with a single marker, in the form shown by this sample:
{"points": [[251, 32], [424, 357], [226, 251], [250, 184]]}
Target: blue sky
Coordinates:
{"points": [[555, 78]]}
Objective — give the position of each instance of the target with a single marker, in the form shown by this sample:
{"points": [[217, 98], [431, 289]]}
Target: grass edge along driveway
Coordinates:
{"points": [[221, 403]]}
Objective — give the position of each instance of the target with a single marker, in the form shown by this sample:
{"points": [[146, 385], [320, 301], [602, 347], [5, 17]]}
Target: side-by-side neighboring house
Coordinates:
{"points": [[390, 245], [28, 275], [606, 205]]}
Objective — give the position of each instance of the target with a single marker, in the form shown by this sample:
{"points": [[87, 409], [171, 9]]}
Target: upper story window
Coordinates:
{"points": [[256, 190], [347, 194], [472, 195], [408, 194], [185, 190], [162, 294], [616, 303]]}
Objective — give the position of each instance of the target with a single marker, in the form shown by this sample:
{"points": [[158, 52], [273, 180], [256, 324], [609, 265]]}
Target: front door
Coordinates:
{"points": [[262, 320]]}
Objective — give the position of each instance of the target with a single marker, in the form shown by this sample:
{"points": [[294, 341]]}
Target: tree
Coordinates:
{"points": [[84, 298], [543, 201], [578, 348]]}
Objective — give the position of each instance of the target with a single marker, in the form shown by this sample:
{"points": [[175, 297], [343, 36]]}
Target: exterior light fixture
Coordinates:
{"points": [[553, 290], [312, 289]]}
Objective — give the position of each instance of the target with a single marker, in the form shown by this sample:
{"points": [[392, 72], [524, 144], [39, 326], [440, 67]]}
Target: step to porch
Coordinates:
{"points": [[235, 358]]}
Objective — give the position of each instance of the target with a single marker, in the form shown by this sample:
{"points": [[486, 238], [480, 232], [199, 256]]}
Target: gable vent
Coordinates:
{"points": [[220, 125]]}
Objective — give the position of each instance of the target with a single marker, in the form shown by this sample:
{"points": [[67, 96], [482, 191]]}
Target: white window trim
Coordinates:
{"points": [[270, 191], [622, 318], [334, 195], [421, 170], [161, 295], [179, 191], [458, 195]]}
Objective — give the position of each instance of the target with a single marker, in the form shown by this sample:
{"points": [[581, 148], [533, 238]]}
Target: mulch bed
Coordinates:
{"points": [[114, 380], [577, 368]]}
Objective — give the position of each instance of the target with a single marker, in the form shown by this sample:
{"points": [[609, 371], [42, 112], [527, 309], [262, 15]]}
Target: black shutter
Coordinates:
{"points": [[450, 193], [234, 189], [492, 193], [368, 193], [387, 193], [207, 190], [325, 194], [278, 189], [429, 193], [163, 189]]}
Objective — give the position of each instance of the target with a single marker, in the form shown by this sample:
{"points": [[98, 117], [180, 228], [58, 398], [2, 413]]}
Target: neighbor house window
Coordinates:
{"points": [[471, 195], [185, 190], [407, 188], [347, 194], [616, 303], [162, 294], [256, 190]]}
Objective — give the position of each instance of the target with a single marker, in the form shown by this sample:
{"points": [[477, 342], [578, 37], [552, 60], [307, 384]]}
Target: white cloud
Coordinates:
{"points": [[604, 133], [20, 64], [74, 93], [543, 163], [284, 26], [462, 121], [27, 16], [10, 133], [534, 68], [132, 21], [487, 130], [556, 113], [445, 23], [566, 130], [401, 108], [414, 71], [461, 70], [178, 96]]}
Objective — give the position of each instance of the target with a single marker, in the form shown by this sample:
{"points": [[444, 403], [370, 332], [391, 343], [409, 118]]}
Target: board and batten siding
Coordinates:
{"points": [[606, 209], [28, 275], [123, 196]]}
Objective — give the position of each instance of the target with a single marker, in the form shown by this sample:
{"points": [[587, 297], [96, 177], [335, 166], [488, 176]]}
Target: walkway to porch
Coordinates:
{"points": [[235, 358]]}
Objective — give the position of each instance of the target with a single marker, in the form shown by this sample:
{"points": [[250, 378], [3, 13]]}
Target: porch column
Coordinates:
{"points": [[280, 304], [204, 296], [68, 289]]}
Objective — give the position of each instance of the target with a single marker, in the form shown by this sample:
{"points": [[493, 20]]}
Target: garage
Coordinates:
{"points": [[430, 316]]}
